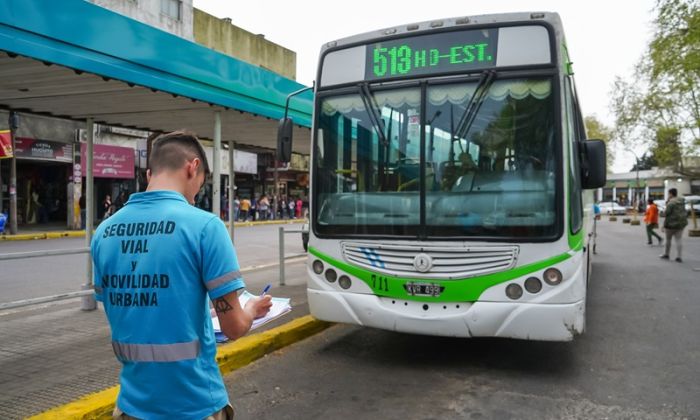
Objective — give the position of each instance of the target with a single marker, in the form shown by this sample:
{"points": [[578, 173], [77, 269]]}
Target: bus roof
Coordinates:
{"points": [[551, 18]]}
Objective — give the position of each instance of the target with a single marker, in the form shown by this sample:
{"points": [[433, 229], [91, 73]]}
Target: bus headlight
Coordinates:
{"points": [[317, 267], [533, 285], [552, 276], [514, 291], [345, 282], [331, 275]]}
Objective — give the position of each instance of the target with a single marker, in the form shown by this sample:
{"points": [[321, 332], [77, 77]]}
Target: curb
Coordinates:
{"points": [[43, 235], [81, 233], [230, 357]]}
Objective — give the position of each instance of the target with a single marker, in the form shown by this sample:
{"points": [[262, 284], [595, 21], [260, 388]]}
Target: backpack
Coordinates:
{"points": [[676, 217]]}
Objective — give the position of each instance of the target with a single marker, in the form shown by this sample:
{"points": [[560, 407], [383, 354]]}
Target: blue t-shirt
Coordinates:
{"points": [[156, 260]]}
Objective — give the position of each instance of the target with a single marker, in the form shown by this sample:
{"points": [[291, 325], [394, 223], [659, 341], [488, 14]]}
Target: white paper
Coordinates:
{"points": [[280, 306]]}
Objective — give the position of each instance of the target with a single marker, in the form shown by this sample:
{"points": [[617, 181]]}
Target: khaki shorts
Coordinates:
{"points": [[225, 413]]}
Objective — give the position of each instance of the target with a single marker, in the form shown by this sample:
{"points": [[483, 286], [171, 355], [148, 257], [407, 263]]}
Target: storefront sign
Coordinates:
{"points": [[110, 161], [243, 162], [299, 162], [5, 144], [26, 148]]}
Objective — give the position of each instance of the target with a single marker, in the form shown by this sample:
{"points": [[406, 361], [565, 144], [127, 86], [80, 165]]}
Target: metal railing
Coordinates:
{"points": [[280, 234]]}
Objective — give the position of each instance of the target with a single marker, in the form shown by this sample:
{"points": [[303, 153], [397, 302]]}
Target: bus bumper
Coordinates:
{"points": [[528, 321]]}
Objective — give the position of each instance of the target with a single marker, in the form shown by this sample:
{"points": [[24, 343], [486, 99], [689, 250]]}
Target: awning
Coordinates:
{"points": [[75, 60]]}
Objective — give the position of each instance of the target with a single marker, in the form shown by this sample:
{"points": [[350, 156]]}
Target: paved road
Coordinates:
{"points": [[37, 277], [639, 359]]}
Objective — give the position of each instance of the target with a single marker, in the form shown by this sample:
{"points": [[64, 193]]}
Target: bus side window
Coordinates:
{"points": [[572, 137]]}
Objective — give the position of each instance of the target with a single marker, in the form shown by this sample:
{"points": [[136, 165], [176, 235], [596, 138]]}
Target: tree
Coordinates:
{"points": [[660, 109], [597, 130], [645, 163]]}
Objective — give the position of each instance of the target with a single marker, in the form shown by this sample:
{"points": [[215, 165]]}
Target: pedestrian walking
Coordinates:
{"points": [[264, 207], [676, 220], [156, 260], [291, 205], [106, 207], [245, 208], [83, 210], [236, 208], [298, 207], [651, 218]]}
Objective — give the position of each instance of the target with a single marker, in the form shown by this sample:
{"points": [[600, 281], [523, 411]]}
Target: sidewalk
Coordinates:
{"points": [[53, 355], [55, 231]]}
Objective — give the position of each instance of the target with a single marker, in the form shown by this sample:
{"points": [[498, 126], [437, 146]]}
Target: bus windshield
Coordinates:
{"points": [[494, 176]]}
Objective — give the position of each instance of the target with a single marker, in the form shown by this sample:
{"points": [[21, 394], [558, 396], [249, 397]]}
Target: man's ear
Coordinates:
{"points": [[148, 175], [192, 167]]}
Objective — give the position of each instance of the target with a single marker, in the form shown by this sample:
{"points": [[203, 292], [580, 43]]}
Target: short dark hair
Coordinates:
{"points": [[171, 150], [650, 201], [673, 192]]}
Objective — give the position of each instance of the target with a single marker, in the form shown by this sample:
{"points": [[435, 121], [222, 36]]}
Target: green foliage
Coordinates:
{"points": [[645, 162], [599, 131], [660, 107], [667, 149]]}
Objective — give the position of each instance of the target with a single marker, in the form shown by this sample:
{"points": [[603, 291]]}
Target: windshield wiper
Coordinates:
{"points": [[482, 88], [375, 116]]}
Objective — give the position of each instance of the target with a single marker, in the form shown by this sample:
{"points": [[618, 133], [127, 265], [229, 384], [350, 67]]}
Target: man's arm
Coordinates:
{"points": [[235, 320]]}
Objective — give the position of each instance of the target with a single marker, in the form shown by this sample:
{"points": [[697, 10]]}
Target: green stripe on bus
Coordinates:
{"points": [[456, 290], [576, 240]]}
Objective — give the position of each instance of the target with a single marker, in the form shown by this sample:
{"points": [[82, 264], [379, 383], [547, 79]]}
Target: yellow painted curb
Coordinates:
{"points": [[250, 348], [230, 357], [43, 235], [92, 406]]}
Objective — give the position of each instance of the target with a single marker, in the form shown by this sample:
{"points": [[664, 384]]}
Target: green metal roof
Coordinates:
{"points": [[88, 39]]}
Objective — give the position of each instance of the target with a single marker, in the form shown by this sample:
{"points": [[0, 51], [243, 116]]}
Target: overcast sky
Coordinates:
{"points": [[605, 38]]}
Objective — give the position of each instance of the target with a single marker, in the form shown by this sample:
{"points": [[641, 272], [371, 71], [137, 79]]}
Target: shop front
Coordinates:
{"points": [[43, 174], [114, 176]]}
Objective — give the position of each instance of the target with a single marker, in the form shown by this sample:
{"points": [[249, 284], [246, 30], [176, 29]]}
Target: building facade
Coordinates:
{"points": [[174, 16], [630, 188], [50, 176]]}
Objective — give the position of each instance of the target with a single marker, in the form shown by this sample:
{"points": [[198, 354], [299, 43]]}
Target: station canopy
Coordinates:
{"points": [[72, 59]]}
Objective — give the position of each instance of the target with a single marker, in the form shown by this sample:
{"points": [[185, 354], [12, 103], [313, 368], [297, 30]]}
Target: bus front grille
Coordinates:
{"points": [[428, 261]]}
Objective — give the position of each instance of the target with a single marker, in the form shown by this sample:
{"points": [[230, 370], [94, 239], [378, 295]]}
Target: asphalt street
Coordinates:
{"points": [[639, 358], [46, 276]]}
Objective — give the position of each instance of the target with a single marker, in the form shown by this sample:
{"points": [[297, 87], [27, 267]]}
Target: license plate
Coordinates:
{"points": [[424, 289]]}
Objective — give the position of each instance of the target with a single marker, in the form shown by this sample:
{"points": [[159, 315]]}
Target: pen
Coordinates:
{"points": [[266, 289]]}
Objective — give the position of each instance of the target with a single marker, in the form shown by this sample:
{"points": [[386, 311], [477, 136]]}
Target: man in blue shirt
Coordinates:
{"points": [[156, 260]]}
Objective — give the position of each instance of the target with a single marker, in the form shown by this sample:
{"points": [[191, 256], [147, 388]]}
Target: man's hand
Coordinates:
{"points": [[259, 306], [235, 321]]}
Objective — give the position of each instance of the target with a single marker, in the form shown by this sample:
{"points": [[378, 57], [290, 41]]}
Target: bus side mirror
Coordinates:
{"points": [[284, 140], [593, 166]]}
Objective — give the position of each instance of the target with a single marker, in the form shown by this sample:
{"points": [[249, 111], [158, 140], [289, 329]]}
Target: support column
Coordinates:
{"points": [[630, 197], [614, 194], [88, 303], [231, 190], [216, 181], [275, 202], [646, 193], [13, 175]]}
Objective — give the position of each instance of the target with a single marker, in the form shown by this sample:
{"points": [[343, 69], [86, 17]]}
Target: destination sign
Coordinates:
{"points": [[446, 52]]}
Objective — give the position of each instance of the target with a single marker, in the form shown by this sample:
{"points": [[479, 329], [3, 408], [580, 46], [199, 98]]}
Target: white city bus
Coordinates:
{"points": [[449, 163]]}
